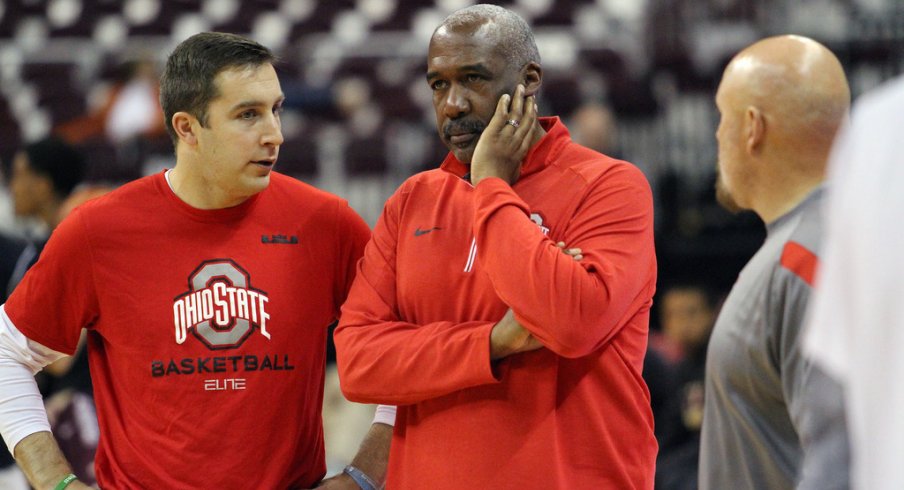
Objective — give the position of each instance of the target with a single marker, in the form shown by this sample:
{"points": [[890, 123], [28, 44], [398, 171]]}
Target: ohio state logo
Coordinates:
{"points": [[220, 308], [538, 219]]}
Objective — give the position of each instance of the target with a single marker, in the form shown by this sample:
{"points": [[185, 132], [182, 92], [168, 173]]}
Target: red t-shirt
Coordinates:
{"points": [[445, 263], [206, 329]]}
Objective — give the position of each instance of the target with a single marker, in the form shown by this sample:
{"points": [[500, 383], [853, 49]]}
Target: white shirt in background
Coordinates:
{"points": [[857, 316]]}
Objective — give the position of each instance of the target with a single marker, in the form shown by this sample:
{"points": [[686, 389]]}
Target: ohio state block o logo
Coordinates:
{"points": [[221, 307]]}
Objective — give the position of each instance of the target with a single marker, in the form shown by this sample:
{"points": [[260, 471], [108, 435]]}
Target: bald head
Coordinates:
{"points": [[499, 26], [797, 83], [782, 100]]}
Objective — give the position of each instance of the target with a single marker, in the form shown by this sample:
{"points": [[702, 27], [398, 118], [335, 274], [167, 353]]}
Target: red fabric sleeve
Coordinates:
{"points": [[384, 360], [353, 234], [57, 297], [572, 307]]}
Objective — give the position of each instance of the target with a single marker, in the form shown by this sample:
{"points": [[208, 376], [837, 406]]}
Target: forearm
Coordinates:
{"points": [[385, 358], [373, 454], [398, 363], [41, 460], [368, 469], [21, 406]]}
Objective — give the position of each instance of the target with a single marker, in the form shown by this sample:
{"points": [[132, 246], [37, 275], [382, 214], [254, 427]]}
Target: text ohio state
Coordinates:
{"points": [[221, 304]]}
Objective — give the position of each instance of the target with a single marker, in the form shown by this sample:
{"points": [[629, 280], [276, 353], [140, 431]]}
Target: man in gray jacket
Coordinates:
{"points": [[767, 407]]}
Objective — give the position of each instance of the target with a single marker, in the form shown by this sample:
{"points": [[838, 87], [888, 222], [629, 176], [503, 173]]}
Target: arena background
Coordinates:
{"points": [[633, 78]]}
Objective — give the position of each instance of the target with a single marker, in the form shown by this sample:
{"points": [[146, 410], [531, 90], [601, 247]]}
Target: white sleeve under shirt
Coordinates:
{"points": [[22, 410]]}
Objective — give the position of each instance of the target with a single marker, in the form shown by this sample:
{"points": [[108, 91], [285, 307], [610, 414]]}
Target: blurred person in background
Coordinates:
{"points": [[43, 175], [128, 108], [856, 327], [781, 102], [687, 312], [686, 317], [7, 216], [123, 133], [513, 364], [593, 125]]}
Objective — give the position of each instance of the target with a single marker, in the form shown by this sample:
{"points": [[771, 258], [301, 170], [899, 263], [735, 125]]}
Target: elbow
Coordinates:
{"points": [[351, 377], [359, 386], [577, 336], [360, 376], [576, 342], [573, 346], [356, 396], [353, 386]]}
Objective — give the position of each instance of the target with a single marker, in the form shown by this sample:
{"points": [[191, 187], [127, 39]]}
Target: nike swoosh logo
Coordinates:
{"points": [[419, 231]]}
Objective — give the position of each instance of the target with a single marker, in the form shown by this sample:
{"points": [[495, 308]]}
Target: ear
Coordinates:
{"points": [[185, 125], [532, 78], [755, 124]]}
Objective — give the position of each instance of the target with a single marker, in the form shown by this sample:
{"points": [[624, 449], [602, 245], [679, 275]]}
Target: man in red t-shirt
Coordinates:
{"points": [[513, 364], [206, 291]]}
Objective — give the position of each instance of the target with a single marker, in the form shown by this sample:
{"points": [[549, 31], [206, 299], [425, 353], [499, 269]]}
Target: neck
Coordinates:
{"points": [[537, 135], [195, 184], [783, 197], [197, 190]]}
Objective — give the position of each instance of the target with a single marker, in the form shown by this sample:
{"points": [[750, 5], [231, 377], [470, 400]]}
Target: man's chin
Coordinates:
{"points": [[463, 155], [257, 183]]}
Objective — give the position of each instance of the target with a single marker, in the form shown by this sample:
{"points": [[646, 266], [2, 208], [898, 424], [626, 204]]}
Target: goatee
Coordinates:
{"points": [[724, 197]]}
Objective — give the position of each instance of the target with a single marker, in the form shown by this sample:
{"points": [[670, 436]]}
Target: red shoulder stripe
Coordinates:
{"points": [[802, 262]]}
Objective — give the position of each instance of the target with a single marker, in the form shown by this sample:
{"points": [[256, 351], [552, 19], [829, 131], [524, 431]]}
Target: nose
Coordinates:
{"points": [[272, 133], [456, 103]]}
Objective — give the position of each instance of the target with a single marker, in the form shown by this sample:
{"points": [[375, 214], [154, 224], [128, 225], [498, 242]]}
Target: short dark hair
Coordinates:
{"points": [[187, 83], [57, 160]]}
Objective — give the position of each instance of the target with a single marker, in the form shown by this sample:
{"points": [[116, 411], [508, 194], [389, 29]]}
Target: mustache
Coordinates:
{"points": [[463, 126]]}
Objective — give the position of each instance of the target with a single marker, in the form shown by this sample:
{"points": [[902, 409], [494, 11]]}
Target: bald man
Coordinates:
{"points": [[768, 410], [513, 364]]}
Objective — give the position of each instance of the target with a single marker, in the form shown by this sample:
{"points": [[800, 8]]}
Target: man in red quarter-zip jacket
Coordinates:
{"points": [[513, 364]]}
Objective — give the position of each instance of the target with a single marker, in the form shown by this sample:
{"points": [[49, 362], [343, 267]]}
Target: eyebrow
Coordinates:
{"points": [[478, 67], [255, 103]]}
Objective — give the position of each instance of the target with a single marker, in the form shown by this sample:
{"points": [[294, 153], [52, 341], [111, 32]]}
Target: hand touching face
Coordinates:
{"points": [[507, 139]]}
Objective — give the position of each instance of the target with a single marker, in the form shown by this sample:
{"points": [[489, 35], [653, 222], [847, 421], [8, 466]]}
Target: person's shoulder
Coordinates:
{"points": [[286, 186], [592, 165], [427, 180], [132, 194], [597, 172], [799, 256], [286, 192], [431, 177], [808, 227]]}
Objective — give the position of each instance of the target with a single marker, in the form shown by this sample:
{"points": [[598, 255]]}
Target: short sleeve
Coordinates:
{"points": [[57, 297]]}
